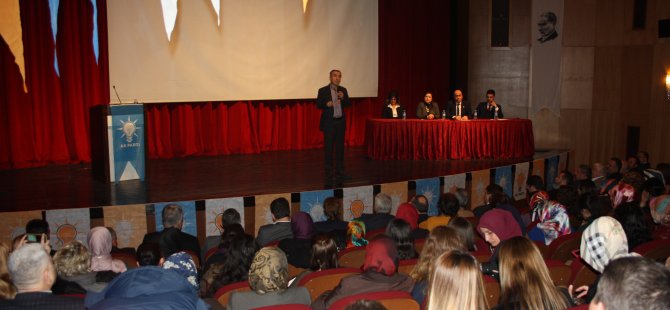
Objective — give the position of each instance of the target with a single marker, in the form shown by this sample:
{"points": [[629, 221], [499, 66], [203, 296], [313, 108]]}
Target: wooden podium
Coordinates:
{"points": [[118, 140]]}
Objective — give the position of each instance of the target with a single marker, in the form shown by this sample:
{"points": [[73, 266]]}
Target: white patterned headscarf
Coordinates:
{"points": [[182, 263], [603, 241]]}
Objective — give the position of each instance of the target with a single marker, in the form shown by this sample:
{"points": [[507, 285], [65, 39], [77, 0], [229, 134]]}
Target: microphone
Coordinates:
{"points": [[117, 94]]}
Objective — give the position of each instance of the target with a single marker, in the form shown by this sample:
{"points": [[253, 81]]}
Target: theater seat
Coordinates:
{"points": [[374, 233], [418, 245], [582, 274], [658, 250], [492, 290], [405, 266], [325, 280], [392, 300], [129, 260], [223, 294], [561, 249], [351, 257], [285, 307], [559, 272]]}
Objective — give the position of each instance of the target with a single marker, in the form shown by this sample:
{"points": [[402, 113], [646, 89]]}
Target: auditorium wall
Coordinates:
{"points": [[612, 76]]}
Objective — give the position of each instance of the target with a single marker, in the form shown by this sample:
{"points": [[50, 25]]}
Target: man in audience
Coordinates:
{"points": [[173, 222], [534, 184], [382, 213], [37, 228], [633, 283], [613, 168], [281, 227], [643, 157], [488, 109], [583, 172], [115, 244], [599, 177], [563, 179], [633, 163], [33, 274], [420, 202]]}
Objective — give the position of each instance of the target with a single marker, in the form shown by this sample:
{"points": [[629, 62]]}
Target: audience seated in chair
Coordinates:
{"points": [[496, 226], [633, 283], [379, 274], [100, 245], [401, 233], [323, 256], [406, 211], [149, 254], [72, 263], [297, 248], [268, 279], [496, 198], [420, 202], [281, 226], [551, 217], [448, 207], [466, 232], [173, 221], [7, 289], [524, 278], [593, 206], [33, 274], [632, 219], [382, 213], [356, 234], [441, 240], [456, 283], [115, 244], [228, 217]]}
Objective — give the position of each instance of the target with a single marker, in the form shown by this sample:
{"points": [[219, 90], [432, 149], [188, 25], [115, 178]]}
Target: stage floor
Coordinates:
{"points": [[72, 186]]}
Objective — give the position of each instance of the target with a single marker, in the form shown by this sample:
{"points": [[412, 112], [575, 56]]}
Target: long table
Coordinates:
{"points": [[447, 139]]}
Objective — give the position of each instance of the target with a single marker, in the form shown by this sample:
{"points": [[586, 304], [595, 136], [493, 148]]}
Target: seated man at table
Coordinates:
{"points": [[488, 109], [458, 109]]}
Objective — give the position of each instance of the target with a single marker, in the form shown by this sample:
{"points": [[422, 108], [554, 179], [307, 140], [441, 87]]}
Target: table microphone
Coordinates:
{"points": [[117, 94]]}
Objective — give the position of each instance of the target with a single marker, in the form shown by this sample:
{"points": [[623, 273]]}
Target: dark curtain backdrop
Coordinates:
{"points": [[49, 123]]}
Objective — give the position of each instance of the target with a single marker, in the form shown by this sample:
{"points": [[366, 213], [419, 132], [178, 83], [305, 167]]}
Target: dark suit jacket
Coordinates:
{"points": [[375, 221], [185, 242], [485, 113], [434, 109], [42, 300], [466, 109], [322, 98], [387, 112], [274, 232]]}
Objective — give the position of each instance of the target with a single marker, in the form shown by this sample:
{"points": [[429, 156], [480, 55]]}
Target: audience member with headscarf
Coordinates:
{"points": [[495, 227], [172, 286], [268, 279], [100, 245], [621, 193], [552, 217], [441, 240], [356, 234], [296, 248], [408, 212], [379, 274]]}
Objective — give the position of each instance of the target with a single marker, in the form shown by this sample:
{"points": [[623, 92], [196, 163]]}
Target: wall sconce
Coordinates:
{"points": [[667, 86]]}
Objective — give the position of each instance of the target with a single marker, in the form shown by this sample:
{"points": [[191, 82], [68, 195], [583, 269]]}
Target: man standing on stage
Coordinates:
{"points": [[332, 99]]}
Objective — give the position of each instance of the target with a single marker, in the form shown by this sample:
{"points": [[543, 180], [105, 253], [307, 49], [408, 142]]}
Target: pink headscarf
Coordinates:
{"points": [[621, 193], [408, 212], [100, 245]]}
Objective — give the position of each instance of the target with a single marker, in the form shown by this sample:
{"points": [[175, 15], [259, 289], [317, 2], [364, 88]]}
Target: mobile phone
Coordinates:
{"points": [[34, 238]]}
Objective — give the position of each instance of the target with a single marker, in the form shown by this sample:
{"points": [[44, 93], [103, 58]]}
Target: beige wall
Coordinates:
{"points": [[612, 77]]}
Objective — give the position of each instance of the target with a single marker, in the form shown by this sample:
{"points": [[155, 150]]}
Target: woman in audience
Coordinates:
{"points": [[465, 231], [456, 283], [296, 248], [401, 233], [174, 286], [407, 211], [323, 256], [333, 225], [593, 206], [632, 220], [149, 254], [552, 217], [100, 245], [72, 263], [524, 279], [231, 263], [356, 234], [448, 207], [379, 274], [603, 241], [7, 289], [268, 279], [441, 240], [621, 193], [495, 227], [660, 210]]}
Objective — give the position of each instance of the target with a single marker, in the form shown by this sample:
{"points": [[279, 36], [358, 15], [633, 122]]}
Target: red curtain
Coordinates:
{"points": [[49, 123]]}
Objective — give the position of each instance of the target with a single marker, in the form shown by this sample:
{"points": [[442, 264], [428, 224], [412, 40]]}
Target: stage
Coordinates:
{"points": [[197, 178]]}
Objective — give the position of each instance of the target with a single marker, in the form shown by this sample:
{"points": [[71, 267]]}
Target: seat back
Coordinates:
{"points": [[211, 252], [391, 300], [559, 272], [492, 290], [374, 233], [352, 257], [418, 245], [564, 246], [285, 307], [320, 281], [407, 265], [658, 250], [129, 260], [294, 271], [582, 274], [223, 294]]}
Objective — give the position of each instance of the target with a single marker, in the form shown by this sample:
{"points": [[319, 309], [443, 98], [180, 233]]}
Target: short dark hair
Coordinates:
{"points": [[37, 226], [148, 254], [568, 176], [494, 188], [654, 187], [331, 208], [491, 91], [229, 217], [586, 170], [448, 204], [550, 16], [172, 215], [598, 205], [535, 181], [420, 206], [365, 304], [634, 283], [332, 71], [617, 161], [280, 208]]}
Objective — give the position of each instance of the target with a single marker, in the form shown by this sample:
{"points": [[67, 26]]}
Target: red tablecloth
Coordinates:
{"points": [[447, 139]]}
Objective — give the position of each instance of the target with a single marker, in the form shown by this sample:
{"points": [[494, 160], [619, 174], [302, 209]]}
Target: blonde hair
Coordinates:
{"points": [[524, 277], [441, 239], [7, 289], [456, 283], [72, 259]]}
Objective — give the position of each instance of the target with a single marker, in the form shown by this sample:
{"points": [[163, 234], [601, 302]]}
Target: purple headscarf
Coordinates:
{"points": [[302, 225]]}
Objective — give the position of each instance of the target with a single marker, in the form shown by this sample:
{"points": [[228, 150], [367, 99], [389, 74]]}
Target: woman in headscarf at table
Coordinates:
{"points": [[297, 248], [496, 226], [356, 234], [379, 275], [100, 245], [603, 241], [552, 217]]}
